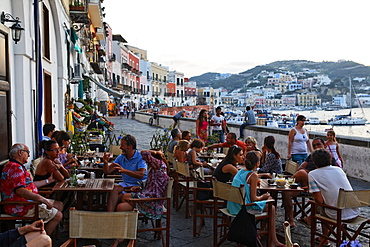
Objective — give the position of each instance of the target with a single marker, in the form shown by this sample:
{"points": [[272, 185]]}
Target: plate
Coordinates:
{"points": [[274, 184]]}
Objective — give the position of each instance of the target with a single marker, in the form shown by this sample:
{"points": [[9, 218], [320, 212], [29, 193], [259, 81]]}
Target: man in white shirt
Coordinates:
{"points": [[217, 122], [325, 189]]}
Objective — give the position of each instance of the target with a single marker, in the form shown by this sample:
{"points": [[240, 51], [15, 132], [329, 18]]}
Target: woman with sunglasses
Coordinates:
{"points": [[298, 141], [49, 168]]}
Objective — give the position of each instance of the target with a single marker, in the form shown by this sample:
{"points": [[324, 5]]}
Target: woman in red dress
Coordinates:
{"points": [[202, 125]]}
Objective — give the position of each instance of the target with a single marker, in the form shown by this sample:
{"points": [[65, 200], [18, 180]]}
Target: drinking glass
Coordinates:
{"points": [[291, 180]]}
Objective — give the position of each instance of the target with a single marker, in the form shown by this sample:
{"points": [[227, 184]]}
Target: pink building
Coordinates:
{"points": [[288, 100]]}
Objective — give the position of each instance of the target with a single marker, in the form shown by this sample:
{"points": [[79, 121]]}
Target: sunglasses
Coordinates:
{"points": [[27, 151]]}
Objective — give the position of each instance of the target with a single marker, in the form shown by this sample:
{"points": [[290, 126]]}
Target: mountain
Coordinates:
{"points": [[338, 72]]}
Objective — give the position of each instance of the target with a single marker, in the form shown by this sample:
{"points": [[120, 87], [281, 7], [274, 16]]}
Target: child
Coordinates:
{"points": [[333, 147]]}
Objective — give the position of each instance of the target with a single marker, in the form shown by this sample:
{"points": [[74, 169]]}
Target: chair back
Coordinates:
{"points": [[198, 173], [172, 160], [291, 166], [115, 150], [182, 168], [169, 188], [353, 199], [228, 192], [103, 225]]}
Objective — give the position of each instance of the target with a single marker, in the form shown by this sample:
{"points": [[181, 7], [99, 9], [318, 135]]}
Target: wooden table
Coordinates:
{"points": [[265, 187], [92, 187]]}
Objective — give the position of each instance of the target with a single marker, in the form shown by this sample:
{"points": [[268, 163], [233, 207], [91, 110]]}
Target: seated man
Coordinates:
{"points": [[186, 135], [32, 235], [230, 141], [301, 177], [326, 190], [17, 185], [176, 136], [131, 166]]}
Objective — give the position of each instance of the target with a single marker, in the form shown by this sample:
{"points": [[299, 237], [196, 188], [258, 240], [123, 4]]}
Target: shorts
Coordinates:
{"points": [[44, 213], [299, 158], [125, 184], [20, 242], [175, 119]]}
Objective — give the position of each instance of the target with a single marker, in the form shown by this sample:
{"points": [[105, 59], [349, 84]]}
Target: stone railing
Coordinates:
{"points": [[355, 150]]}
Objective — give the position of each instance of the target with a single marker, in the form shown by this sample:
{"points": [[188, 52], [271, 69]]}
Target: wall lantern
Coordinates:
{"points": [[16, 27]]}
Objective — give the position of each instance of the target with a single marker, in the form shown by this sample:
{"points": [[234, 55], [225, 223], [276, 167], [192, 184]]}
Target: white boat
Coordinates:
{"points": [[313, 120], [347, 119]]}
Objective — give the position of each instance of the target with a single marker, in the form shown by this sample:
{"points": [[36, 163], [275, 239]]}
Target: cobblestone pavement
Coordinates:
{"points": [[181, 228]]}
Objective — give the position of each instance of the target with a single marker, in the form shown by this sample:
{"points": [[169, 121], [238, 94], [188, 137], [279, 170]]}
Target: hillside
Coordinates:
{"points": [[337, 71]]}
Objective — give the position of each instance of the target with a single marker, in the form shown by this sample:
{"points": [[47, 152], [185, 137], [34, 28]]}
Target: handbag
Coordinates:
{"points": [[243, 229], [204, 195]]}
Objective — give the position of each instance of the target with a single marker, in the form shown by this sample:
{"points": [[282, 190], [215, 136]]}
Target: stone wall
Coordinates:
{"points": [[355, 150]]}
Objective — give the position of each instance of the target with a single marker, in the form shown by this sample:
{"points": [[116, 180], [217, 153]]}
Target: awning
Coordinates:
{"points": [[101, 95], [150, 102], [106, 89], [160, 101]]}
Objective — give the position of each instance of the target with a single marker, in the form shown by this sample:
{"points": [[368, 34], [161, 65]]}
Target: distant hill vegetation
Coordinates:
{"points": [[337, 71]]}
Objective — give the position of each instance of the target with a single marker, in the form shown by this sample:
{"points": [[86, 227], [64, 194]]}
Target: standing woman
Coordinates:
{"points": [[298, 141], [333, 147], [202, 125], [63, 139], [270, 161], [49, 169], [226, 170]]}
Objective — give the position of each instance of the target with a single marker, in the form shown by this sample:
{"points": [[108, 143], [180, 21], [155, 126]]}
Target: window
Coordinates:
{"points": [[46, 32]]}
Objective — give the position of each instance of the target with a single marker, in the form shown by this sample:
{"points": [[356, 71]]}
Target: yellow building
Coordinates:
{"points": [[308, 100], [160, 79]]}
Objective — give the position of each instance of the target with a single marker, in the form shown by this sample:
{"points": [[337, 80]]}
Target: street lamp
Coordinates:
{"points": [[16, 27]]}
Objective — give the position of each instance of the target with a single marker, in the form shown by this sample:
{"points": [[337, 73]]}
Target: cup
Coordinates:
{"points": [[291, 180], [280, 176]]}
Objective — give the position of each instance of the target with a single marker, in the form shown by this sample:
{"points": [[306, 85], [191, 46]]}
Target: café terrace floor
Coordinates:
{"points": [[181, 228]]}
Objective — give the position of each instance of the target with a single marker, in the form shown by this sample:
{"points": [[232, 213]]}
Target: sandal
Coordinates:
{"points": [[303, 222], [317, 241]]}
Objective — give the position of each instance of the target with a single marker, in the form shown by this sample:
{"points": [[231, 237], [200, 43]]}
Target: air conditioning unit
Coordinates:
{"points": [[77, 75]]}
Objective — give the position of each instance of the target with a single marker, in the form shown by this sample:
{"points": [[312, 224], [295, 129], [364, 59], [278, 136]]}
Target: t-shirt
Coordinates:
{"points": [[321, 180], [178, 115], [251, 119], [171, 146], [215, 119], [238, 143], [15, 176], [133, 164]]}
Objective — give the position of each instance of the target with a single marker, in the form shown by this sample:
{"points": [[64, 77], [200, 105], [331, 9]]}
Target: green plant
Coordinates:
{"points": [[160, 139]]}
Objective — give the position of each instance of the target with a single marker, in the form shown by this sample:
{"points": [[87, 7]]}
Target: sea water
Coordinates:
{"points": [[359, 130]]}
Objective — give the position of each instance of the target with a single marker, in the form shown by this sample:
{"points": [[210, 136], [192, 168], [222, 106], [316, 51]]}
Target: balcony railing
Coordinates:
{"points": [[78, 11], [170, 94]]}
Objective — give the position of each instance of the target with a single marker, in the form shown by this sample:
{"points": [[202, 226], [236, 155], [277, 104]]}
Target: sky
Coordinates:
{"points": [[200, 36]]}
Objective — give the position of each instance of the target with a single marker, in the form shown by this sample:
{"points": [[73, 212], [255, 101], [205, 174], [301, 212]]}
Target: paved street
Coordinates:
{"points": [[181, 228]]}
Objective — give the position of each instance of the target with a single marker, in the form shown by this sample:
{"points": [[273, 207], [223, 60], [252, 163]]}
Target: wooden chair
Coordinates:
{"points": [[115, 150], [341, 229], [184, 187], [288, 236], [228, 192], [101, 225], [7, 222], [158, 227]]}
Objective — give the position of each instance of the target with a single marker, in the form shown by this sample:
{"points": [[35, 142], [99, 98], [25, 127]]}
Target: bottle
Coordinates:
{"points": [[92, 175]]}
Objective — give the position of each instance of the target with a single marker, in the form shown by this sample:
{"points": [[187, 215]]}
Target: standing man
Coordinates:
{"points": [[217, 121], [177, 117], [48, 129], [249, 119], [17, 186], [131, 166]]}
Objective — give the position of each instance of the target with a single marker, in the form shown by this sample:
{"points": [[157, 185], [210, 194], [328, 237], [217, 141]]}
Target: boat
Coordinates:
{"points": [[313, 120], [348, 119]]}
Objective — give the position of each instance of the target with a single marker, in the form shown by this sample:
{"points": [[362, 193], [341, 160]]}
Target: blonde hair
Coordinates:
{"points": [[252, 140], [182, 145]]}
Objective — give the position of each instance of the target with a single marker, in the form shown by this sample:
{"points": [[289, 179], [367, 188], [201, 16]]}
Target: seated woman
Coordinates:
{"points": [[249, 178], [49, 168], [180, 150], [271, 162], [195, 147], [251, 144], [64, 139], [226, 170]]}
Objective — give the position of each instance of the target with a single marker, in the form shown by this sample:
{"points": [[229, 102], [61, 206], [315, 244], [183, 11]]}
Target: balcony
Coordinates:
{"points": [[100, 33], [78, 11], [170, 94], [95, 13], [125, 66]]}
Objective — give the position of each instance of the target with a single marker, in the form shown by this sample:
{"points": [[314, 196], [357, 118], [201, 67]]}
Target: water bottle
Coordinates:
{"points": [[92, 175]]}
